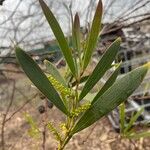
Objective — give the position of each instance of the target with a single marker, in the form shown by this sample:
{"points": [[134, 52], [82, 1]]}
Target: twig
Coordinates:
{"points": [[45, 116], [12, 71], [19, 109], [130, 10], [5, 116], [44, 138], [12, 14], [131, 141], [142, 98], [5, 119], [120, 26], [87, 137]]}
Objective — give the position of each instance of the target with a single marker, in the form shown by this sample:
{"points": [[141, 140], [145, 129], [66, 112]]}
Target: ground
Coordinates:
{"points": [[100, 136]]}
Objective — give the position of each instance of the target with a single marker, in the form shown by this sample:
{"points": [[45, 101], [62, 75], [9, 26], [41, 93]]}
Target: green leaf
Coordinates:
{"points": [[59, 36], [76, 34], [39, 79], [51, 69], [113, 97], [133, 119], [122, 117], [76, 42], [102, 66], [93, 35], [108, 83], [143, 134]]}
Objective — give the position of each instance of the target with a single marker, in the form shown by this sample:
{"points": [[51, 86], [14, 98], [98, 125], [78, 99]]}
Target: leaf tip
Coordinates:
{"points": [[77, 15], [147, 65], [119, 39], [100, 6], [76, 21], [17, 49]]}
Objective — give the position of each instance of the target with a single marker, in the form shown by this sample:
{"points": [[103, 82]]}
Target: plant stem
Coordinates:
{"points": [[5, 117], [44, 127], [44, 138], [70, 120], [62, 146]]}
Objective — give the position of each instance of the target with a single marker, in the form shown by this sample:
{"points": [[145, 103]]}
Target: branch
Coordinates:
{"points": [[12, 71], [19, 109], [5, 116]]}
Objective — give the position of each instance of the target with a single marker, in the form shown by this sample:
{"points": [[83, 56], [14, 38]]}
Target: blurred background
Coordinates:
{"points": [[22, 22]]}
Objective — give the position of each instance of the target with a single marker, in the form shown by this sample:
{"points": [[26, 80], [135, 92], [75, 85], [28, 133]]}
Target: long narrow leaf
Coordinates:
{"points": [[113, 97], [93, 36], [50, 68], [122, 117], [102, 66], [108, 83], [140, 135], [76, 34], [133, 119], [76, 42], [39, 79], [59, 36]]}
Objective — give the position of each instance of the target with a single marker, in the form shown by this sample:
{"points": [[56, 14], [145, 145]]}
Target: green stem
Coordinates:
{"points": [[70, 120], [62, 146]]}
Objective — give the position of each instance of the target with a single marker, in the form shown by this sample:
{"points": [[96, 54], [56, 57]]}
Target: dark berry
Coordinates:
{"points": [[41, 109], [50, 104]]}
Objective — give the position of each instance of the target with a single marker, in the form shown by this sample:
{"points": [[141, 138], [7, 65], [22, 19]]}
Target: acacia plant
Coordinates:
{"points": [[67, 93]]}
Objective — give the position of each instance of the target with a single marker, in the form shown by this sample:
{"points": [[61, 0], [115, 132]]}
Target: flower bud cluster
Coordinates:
{"points": [[34, 132], [80, 109], [63, 128], [54, 131], [59, 87]]}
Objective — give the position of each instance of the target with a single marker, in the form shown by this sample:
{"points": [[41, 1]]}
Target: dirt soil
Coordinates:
{"points": [[100, 136]]}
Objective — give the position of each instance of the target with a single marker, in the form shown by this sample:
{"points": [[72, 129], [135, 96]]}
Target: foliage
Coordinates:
{"points": [[65, 93], [126, 129], [34, 130]]}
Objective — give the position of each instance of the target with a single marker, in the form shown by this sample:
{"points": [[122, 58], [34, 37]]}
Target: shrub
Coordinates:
{"points": [[64, 92]]}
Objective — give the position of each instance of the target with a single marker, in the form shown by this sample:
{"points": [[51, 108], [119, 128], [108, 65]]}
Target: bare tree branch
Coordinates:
{"points": [[5, 116]]}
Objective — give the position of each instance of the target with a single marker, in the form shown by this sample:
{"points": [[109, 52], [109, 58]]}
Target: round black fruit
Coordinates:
{"points": [[41, 109]]}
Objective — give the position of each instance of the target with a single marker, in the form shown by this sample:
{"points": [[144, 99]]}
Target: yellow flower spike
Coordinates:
{"points": [[54, 131], [80, 109], [63, 128], [62, 125], [59, 87]]}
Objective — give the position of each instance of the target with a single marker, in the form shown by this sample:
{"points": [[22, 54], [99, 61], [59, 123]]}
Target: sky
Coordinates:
{"points": [[39, 26]]}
